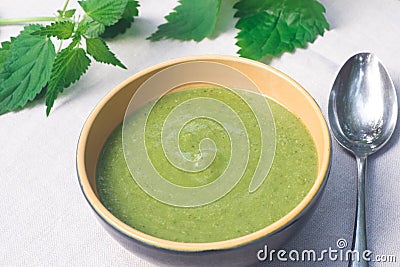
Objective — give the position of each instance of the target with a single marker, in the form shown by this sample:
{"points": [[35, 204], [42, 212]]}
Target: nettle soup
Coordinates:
{"points": [[237, 213]]}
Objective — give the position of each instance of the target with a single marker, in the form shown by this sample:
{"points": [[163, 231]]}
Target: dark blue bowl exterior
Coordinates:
{"points": [[239, 256]]}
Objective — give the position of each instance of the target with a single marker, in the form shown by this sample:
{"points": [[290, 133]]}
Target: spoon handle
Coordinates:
{"points": [[360, 236]]}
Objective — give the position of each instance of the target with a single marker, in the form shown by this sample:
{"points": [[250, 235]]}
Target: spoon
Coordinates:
{"points": [[362, 114]]}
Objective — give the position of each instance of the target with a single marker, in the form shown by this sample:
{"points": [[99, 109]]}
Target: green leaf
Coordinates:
{"points": [[75, 41], [191, 20], [69, 13], [61, 29], [69, 66], [250, 7], [270, 28], [4, 52], [99, 50], [94, 29], [83, 26], [26, 67], [131, 10], [107, 12], [66, 14]]}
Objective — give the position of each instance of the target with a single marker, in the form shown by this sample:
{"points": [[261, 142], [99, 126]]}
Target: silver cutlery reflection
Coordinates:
{"points": [[362, 115]]}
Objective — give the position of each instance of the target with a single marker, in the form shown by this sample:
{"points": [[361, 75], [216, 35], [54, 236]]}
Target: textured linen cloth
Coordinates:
{"points": [[44, 218]]}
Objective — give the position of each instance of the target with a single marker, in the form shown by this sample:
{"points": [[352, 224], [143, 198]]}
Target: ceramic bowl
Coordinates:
{"points": [[240, 251]]}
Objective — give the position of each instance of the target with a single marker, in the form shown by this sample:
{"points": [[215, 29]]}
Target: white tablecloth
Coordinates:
{"points": [[44, 218]]}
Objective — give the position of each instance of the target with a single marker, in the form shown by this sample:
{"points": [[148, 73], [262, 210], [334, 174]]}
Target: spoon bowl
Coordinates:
{"points": [[363, 105], [362, 113]]}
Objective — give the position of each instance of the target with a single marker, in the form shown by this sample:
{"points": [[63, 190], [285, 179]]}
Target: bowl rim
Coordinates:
{"points": [[147, 239]]}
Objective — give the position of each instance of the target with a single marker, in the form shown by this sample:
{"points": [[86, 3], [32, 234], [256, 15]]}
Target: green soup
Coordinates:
{"points": [[237, 213]]}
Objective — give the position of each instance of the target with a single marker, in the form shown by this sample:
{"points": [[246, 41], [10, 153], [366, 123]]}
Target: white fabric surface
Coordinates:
{"points": [[44, 218]]}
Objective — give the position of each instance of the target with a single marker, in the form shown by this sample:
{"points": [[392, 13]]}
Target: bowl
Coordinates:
{"points": [[240, 251]]}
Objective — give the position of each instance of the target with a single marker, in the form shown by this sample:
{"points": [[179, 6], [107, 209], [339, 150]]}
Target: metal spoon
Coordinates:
{"points": [[362, 115]]}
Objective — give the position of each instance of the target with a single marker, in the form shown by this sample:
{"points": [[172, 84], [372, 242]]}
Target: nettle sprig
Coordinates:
{"points": [[30, 65], [267, 28]]}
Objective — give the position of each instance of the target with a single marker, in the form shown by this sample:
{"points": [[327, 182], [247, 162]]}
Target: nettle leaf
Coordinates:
{"points": [[131, 11], [4, 52], [61, 29], [25, 69], [66, 14], [83, 27], [269, 28], [250, 7], [191, 20], [94, 29], [107, 12], [99, 50], [70, 64], [75, 42], [69, 13]]}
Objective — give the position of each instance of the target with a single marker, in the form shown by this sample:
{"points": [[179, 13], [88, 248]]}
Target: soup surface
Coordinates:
{"points": [[237, 213]]}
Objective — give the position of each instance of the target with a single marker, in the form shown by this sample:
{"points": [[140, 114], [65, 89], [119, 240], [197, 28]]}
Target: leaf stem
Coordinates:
{"points": [[65, 7], [15, 21]]}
